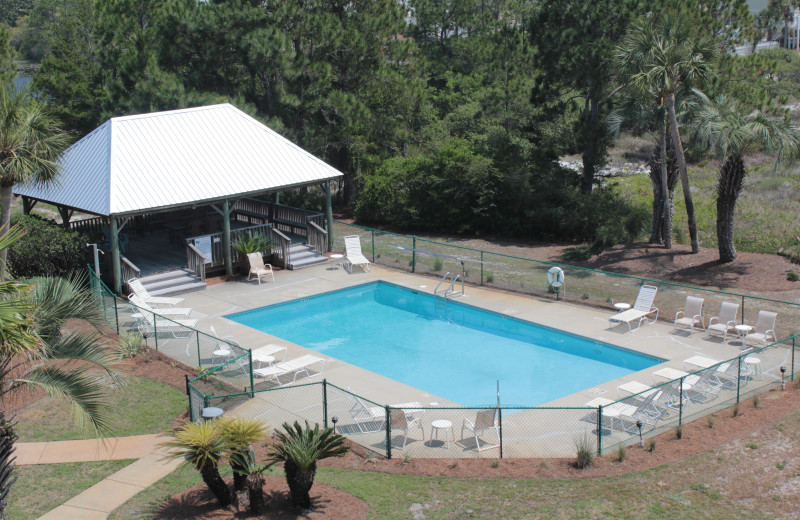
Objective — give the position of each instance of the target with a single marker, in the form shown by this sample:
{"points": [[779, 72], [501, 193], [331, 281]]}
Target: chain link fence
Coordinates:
{"points": [[586, 286]]}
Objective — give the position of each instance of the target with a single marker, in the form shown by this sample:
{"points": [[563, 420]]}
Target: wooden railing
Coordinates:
{"points": [[283, 218], [317, 237], [280, 253], [128, 271], [217, 253], [90, 225], [195, 261]]}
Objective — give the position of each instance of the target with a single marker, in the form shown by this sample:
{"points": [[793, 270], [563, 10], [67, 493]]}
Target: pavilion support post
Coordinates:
{"points": [[66, 214], [115, 256], [329, 214], [226, 237], [27, 205]]}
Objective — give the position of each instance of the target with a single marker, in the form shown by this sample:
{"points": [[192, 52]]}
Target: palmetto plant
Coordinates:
{"points": [[253, 476], [36, 351], [202, 445], [241, 432], [249, 242], [731, 131], [299, 449]]}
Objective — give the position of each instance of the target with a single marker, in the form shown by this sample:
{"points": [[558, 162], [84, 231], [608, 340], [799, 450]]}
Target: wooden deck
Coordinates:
{"points": [[153, 253]]}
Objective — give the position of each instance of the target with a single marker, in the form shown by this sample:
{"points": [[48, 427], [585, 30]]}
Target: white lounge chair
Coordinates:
{"points": [[258, 268], [168, 312], [625, 414], [368, 419], [266, 354], [400, 420], [353, 255], [136, 286], [764, 330], [691, 315], [725, 322], [640, 311], [484, 420], [180, 328], [292, 367]]}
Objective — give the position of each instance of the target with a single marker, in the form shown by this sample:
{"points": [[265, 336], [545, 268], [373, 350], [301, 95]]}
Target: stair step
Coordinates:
{"points": [[308, 263], [179, 289], [303, 255], [168, 275], [172, 282]]}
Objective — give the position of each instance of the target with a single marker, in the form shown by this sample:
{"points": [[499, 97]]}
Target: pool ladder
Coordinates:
{"points": [[442, 295]]}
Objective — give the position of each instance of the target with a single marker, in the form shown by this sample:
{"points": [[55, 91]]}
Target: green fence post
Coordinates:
{"points": [[155, 330], [742, 311], [792, 376], [388, 434], [116, 315], [413, 254], [481, 268], [199, 364], [373, 246], [324, 402], [738, 378], [599, 429], [680, 404], [500, 424], [250, 364]]}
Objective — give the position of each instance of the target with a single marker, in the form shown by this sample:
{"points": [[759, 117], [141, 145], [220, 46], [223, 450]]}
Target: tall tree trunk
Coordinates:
{"points": [[255, 492], [213, 480], [239, 478], [656, 236], [687, 192], [7, 439], [666, 234], [729, 186], [589, 131], [5, 219]]}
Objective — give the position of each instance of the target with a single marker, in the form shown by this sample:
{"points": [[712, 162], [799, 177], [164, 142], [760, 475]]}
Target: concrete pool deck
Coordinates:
{"points": [[217, 300]]}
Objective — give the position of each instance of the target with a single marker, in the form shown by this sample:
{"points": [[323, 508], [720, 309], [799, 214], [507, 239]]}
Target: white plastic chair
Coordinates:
{"points": [[353, 255], [221, 350], [725, 322], [691, 315], [405, 422], [259, 268], [484, 420], [765, 328]]}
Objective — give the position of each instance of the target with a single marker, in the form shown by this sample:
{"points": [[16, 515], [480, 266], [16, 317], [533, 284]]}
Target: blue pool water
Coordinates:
{"points": [[400, 333]]}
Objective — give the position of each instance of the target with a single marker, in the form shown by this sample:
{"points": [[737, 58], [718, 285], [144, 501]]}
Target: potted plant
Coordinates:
{"points": [[249, 242]]}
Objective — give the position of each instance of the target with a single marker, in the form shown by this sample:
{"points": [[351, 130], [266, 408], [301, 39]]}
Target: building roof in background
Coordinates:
{"points": [[149, 162]]}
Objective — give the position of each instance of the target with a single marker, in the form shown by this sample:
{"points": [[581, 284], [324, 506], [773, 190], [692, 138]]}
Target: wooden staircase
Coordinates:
{"points": [[172, 282], [303, 255]]}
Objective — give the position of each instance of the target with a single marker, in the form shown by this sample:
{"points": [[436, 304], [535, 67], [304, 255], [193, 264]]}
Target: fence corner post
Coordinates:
{"points": [[500, 424], [186, 377], [116, 314], [325, 402], [250, 365], [388, 433], [738, 377], [199, 363]]}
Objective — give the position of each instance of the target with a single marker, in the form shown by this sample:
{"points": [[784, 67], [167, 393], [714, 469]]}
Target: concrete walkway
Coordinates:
{"points": [[99, 500]]}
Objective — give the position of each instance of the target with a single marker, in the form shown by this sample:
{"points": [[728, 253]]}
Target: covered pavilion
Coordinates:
{"points": [[191, 173]]}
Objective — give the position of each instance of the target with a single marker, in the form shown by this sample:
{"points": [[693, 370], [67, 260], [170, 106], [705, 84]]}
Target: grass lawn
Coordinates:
{"points": [[139, 407], [41, 488]]}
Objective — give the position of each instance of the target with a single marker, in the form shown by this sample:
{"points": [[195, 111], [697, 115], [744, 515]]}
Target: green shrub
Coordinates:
{"points": [[130, 344], [792, 276], [621, 454], [437, 264], [47, 249]]}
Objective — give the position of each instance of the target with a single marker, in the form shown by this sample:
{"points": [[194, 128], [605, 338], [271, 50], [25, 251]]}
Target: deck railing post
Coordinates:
{"points": [[599, 429], [199, 364], [324, 402], [388, 433]]}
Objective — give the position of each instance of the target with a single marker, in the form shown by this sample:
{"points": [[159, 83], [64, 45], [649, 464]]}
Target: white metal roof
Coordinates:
{"points": [[134, 164]]}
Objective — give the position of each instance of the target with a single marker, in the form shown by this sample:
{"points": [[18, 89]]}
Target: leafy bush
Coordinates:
{"points": [[792, 276], [47, 249], [250, 242], [130, 344]]}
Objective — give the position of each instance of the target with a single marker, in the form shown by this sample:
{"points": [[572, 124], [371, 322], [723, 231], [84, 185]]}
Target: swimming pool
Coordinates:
{"points": [[457, 353]]}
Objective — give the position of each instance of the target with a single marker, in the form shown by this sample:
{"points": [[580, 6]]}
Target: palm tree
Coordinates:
{"points": [[253, 474], [728, 130], [241, 432], [35, 350], [665, 55], [202, 445], [299, 450], [30, 142]]}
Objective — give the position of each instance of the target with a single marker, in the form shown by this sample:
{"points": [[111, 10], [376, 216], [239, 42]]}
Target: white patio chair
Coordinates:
{"points": [[222, 349], [258, 268], [136, 286], [764, 330], [353, 255], [399, 420], [725, 322], [368, 419], [484, 420], [640, 311], [691, 315]]}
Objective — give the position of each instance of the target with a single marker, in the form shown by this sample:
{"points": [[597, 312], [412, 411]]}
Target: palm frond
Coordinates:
{"points": [[197, 444], [305, 446], [58, 299], [84, 347]]}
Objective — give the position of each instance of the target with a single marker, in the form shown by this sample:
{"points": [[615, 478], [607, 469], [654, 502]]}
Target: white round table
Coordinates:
{"points": [[622, 306], [754, 364], [743, 331], [224, 354], [262, 359], [445, 425], [337, 261]]}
